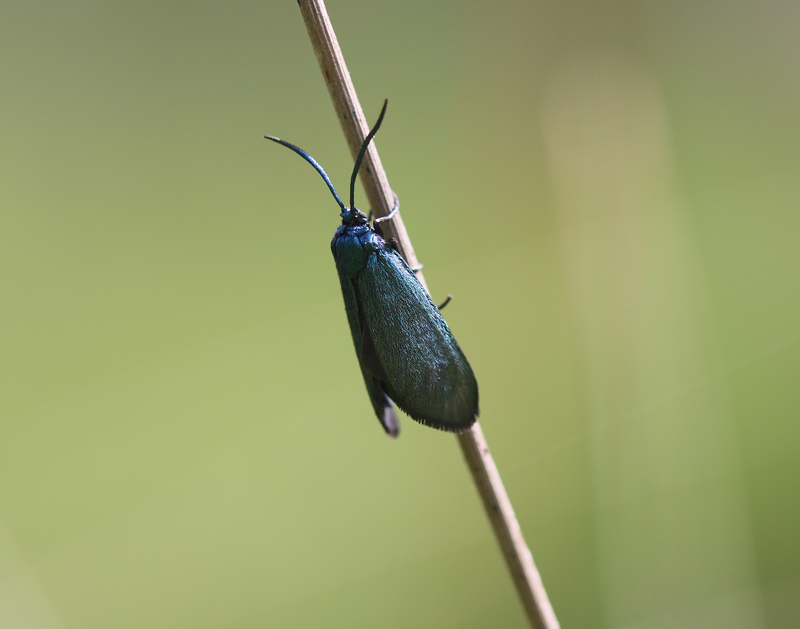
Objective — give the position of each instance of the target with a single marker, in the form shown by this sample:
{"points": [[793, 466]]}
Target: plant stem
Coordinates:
{"points": [[473, 444]]}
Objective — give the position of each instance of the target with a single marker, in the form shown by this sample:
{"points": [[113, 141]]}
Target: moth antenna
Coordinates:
{"points": [[311, 161], [361, 153]]}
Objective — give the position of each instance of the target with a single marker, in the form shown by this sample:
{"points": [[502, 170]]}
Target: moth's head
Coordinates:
{"points": [[352, 216]]}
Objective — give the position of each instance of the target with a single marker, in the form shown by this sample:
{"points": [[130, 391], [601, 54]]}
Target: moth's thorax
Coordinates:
{"points": [[352, 245]]}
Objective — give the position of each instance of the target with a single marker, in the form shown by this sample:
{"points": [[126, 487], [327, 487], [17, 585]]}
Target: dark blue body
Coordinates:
{"points": [[406, 350]]}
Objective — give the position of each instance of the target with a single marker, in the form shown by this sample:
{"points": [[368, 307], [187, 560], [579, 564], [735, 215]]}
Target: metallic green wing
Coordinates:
{"points": [[422, 368]]}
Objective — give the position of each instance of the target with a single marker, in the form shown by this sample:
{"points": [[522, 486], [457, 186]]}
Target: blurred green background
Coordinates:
{"points": [[611, 192]]}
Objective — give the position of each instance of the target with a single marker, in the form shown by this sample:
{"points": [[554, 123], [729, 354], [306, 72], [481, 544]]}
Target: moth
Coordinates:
{"points": [[407, 354]]}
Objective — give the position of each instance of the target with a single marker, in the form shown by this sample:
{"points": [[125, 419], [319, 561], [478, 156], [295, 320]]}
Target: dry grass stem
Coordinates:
{"points": [[473, 444]]}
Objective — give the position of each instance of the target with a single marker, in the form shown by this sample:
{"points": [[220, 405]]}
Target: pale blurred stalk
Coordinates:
{"points": [[672, 529]]}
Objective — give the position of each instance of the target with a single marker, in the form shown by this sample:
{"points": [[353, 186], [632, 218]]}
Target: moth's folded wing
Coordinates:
{"points": [[426, 373], [380, 402]]}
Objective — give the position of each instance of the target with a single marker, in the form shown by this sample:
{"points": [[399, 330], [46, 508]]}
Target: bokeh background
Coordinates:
{"points": [[611, 192]]}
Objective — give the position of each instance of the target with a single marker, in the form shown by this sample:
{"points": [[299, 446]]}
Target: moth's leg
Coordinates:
{"points": [[391, 214], [446, 301]]}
